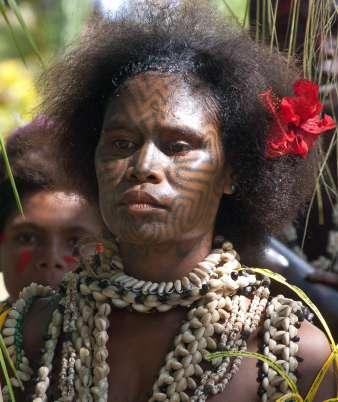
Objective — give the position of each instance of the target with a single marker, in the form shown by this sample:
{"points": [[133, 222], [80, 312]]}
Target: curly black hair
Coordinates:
{"points": [[191, 40], [32, 165]]}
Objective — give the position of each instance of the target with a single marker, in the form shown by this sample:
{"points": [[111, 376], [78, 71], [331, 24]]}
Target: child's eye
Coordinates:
{"points": [[73, 241], [26, 239]]}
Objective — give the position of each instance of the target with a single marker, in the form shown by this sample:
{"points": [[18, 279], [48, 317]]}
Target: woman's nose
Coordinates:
{"points": [[146, 165]]}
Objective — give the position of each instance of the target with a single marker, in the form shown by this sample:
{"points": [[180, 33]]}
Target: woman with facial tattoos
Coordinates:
{"points": [[39, 245], [191, 136]]}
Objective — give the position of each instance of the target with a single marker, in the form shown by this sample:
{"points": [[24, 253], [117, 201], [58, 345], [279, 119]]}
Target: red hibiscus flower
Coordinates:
{"points": [[297, 123]]}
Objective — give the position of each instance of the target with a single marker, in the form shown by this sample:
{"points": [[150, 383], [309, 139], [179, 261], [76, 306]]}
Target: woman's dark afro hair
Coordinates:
{"points": [[193, 41]]}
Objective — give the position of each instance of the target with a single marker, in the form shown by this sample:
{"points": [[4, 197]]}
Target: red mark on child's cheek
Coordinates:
{"points": [[70, 260], [25, 257]]}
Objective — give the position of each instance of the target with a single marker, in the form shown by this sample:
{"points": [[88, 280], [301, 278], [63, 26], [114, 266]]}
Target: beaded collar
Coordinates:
{"points": [[104, 280]]}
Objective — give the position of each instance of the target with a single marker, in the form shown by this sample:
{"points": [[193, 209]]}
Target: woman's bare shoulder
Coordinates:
{"points": [[314, 348]]}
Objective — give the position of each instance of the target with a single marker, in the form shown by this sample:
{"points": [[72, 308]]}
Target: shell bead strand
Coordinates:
{"points": [[14, 325], [280, 343], [124, 291]]}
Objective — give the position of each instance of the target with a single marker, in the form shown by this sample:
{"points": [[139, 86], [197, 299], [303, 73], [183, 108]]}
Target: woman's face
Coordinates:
{"points": [[159, 162], [39, 246]]}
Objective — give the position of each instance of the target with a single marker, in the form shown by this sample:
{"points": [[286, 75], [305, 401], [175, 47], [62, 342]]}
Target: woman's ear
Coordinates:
{"points": [[229, 186]]}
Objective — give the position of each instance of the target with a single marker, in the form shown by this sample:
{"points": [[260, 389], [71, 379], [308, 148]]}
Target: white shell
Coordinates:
{"points": [[98, 296], [138, 285], [119, 303], [153, 288], [9, 340], [160, 396], [188, 337], [146, 287], [178, 286], [186, 283], [10, 323], [8, 331], [182, 385], [141, 308], [161, 288], [169, 287], [164, 307], [195, 279], [110, 292], [213, 258]]}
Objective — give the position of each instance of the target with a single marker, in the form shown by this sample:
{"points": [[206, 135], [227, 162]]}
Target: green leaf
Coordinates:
{"points": [[10, 174], [13, 5], [231, 12], [9, 360], [11, 30], [5, 374]]}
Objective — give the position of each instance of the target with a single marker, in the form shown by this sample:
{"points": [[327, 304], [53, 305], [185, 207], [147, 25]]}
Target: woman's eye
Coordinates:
{"points": [[179, 147], [26, 239], [123, 145]]}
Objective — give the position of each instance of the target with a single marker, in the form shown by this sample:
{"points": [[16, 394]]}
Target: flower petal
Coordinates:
{"points": [[280, 144], [306, 89], [288, 111], [297, 123], [269, 101], [318, 126], [300, 147]]}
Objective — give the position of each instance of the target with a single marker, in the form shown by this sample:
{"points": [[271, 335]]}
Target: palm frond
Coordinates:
{"points": [[10, 174], [11, 30]]}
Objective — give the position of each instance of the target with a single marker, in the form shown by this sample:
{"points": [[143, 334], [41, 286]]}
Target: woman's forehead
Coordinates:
{"points": [[155, 87], [155, 97]]}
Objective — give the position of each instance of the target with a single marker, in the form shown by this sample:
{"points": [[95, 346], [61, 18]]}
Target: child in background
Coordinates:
{"points": [[41, 245]]}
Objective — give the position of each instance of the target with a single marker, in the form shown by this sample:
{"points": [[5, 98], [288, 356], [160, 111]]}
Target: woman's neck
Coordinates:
{"points": [[164, 262]]}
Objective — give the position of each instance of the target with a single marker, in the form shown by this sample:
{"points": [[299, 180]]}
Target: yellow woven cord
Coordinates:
{"points": [[281, 279], [290, 397], [4, 310], [292, 385], [302, 295], [320, 376]]}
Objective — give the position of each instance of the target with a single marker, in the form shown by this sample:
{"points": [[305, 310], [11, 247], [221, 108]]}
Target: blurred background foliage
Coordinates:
{"points": [[52, 25], [18, 95]]}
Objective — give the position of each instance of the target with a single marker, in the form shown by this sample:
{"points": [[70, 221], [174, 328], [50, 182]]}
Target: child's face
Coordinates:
{"points": [[39, 247]]}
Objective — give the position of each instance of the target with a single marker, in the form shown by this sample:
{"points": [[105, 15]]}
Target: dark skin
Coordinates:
{"points": [[151, 145], [133, 155], [39, 246], [326, 278]]}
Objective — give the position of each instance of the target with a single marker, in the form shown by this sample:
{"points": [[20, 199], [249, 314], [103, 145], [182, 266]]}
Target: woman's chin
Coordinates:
{"points": [[146, 234]]}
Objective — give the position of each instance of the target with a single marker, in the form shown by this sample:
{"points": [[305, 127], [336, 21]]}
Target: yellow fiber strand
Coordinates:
{"points": [[320, 376], [263, 358]]}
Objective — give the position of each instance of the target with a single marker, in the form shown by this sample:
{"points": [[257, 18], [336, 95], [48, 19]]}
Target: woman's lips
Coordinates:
{"points": [[138, 202]]}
